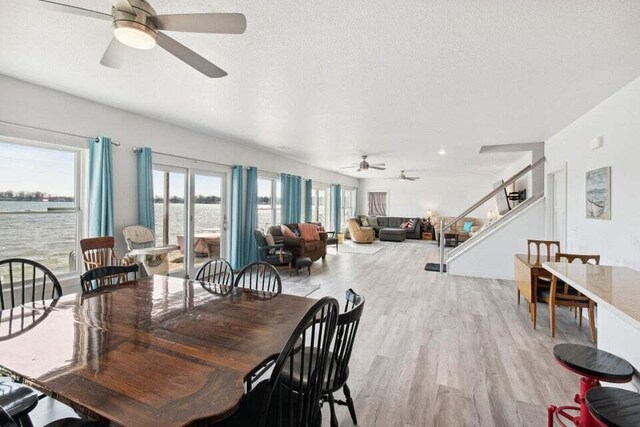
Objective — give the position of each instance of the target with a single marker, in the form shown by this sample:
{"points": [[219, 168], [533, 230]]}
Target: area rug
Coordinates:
{"points": [[363, 249], [299, 289], [434, 266]]}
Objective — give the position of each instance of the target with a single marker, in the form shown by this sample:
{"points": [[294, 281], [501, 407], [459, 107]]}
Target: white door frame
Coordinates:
{"points": [[191, 209], [550, 191]]}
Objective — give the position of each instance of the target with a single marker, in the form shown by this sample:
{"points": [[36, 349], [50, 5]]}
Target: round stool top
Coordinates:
{"points": [[594, 363], [614, 406]]}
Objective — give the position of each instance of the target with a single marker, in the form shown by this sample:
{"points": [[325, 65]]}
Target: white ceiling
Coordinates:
{"points": [[329, 79]]}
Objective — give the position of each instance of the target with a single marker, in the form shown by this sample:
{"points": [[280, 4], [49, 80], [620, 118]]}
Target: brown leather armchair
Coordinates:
{"points": [[359, 234], [298, 246]]}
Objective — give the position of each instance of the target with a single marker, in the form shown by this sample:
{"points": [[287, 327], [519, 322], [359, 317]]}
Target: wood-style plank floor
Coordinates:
{"points": [[438, 350]]}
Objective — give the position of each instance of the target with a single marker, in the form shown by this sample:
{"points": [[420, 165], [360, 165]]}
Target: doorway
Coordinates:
{"points": [[557, 197]]}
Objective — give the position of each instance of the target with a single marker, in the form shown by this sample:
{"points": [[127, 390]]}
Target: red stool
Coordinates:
{"points": [[593, 366]]}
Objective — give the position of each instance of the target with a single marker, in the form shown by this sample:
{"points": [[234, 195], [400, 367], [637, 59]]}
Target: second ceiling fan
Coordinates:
{"points": [[136, 25], [403, 177], [365, 165]]}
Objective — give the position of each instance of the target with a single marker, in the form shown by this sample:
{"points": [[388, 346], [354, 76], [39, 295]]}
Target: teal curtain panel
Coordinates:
{"points": [[336, 207], [291, 198], [145, 188], [236, 217], [100, 188], [250, 246], [308, 200]]}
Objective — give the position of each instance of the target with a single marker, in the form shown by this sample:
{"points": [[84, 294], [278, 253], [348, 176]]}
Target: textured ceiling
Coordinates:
{"points": [[328, 79]]}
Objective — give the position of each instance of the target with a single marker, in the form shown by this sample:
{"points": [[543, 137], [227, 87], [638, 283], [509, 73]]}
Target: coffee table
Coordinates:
{"points": [[450, 239]]}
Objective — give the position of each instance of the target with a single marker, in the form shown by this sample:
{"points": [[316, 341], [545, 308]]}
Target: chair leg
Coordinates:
{"points": [[289, 269], [592, 320], [518, 296], [352, 408], [580, 316], [25, 421], [552, 318], [332, 409]]}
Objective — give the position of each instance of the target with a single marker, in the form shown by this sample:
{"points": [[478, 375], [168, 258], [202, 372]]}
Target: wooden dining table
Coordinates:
{"points": [[159, 351]]}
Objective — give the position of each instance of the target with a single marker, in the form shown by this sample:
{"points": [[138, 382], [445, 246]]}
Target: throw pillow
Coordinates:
{"points": [[467, 227], [404, 224], [365, 221], [286, 231], [309, 232], [270, 242], [409, 224]]}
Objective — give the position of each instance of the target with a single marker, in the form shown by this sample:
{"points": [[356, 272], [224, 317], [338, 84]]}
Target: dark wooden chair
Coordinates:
{"points": [[337, 372], [272, 254], [217, 271], [99, 252], [259, 276], [28, 282], [7, 420], [560, 293], [276, 403], [101, 277]]}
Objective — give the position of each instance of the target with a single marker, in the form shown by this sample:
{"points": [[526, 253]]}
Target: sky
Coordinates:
{"points": [[27, 168]]}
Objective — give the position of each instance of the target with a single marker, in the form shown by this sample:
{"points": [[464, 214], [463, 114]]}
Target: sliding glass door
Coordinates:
{"points": [[190, 212], [209, 218]]}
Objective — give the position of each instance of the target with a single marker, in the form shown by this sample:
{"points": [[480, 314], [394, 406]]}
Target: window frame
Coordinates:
{"points": [[347, 192], [316, 188], [81, 184], [275, 181]]}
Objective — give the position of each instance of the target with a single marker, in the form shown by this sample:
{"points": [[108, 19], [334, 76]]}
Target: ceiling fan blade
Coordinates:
{"points": [[75, 10], [348, 167], [114, 55], [189, 57], [123, 6], [216, 23], [413, 178], [377, 168], [377, 164]]}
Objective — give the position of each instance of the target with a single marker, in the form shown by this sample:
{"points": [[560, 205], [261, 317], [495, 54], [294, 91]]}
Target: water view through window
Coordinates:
{"points": [[38, 206]]}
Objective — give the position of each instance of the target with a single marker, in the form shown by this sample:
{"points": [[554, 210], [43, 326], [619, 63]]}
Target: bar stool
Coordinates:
{"points": [[594, 366], [614, 406]]}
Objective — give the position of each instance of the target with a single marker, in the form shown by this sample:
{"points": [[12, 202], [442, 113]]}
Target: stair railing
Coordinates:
{"points": [[481, 202]]}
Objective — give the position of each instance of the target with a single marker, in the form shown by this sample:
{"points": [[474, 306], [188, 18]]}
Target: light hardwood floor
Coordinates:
{"points": [[439, 350]]}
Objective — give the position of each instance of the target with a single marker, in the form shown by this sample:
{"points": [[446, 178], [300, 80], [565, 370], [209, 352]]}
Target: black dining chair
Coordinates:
{"points": [[337, 372], [259, 276], [23, 281], [276, 403], [217, 271], [102, 277], [7, 420]]}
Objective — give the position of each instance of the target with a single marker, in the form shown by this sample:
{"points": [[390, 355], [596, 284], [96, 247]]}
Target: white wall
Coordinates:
{"points": [[617, 119], [33, 105]]}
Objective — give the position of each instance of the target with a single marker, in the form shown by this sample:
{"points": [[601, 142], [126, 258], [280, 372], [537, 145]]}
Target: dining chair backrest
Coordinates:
{"points": [[217, 271], [101, 277], [348, 322], [550, 247], [23, 280], [260, 276], [298, 404], [564, 291], [99, 252]]}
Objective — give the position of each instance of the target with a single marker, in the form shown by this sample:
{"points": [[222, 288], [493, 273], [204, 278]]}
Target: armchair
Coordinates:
{"points": [[272, 254], [359, 234]]}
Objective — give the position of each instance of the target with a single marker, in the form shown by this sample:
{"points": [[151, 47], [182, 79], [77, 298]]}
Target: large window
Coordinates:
{"points": [[320, 205], [347, 204], [41, 205], [268, 202]]}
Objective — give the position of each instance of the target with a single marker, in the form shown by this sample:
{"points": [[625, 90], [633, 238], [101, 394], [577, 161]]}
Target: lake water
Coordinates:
{"points": [[49, 238]]}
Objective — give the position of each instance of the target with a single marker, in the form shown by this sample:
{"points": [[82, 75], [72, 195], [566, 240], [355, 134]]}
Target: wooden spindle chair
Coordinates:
{"points": [[260, 276], [274, 402], [23, 281], [99, 252], [562, 294], [217, 271], [99, 278], [339, 356], [551, 247]]}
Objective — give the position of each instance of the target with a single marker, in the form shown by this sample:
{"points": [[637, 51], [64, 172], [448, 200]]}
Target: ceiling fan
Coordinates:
{"points": [[136, 25], [364, 165], [403, 177]]}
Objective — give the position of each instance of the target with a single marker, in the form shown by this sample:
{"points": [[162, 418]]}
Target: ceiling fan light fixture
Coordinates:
{"points": [[137, 38]]}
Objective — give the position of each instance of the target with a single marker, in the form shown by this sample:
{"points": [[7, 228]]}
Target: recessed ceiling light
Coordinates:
{"points": [[442, 152]]}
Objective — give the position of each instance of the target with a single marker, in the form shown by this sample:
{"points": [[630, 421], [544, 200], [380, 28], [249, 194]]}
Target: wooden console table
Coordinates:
{"points": [[527, 272]]}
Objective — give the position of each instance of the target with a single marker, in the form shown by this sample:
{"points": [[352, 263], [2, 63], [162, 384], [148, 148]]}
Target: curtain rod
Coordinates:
{"points": [[136, 149], [116, 143]]}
